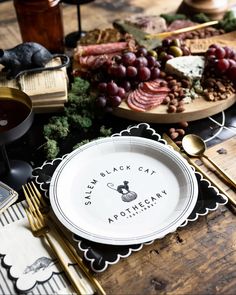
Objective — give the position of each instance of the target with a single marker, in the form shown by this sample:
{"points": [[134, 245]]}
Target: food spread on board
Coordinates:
{"points": [[136, 75], [160, 77]]}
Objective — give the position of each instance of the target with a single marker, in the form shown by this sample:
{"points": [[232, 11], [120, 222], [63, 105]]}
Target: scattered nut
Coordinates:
{"points": [[171, 109], [180, 109], [174, 135], [181, 132], [183, 124], [171, 130], [178, 142]]}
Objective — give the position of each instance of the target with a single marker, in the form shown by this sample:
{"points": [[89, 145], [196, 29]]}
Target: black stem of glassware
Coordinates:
{"points": [[72, 38], [79, 19], [5, 158]]}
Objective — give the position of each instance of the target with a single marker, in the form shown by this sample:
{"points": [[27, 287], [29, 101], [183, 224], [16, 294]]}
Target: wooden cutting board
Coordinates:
{"points": [[198, 109]]}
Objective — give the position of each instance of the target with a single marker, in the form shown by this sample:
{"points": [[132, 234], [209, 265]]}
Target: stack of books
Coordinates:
{"points": [[48, 90]]}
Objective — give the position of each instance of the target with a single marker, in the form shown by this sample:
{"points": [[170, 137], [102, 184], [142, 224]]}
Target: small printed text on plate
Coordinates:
{"points": [[138, 207], [121, 168]]}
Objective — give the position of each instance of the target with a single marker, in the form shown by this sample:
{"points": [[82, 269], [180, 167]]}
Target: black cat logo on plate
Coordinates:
{"points": [[123, 189]]}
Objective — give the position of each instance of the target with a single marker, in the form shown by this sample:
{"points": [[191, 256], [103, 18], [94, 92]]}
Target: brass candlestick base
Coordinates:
{"points": [[215, 9]]}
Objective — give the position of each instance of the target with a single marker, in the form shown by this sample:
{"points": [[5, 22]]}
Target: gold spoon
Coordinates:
{"points": [[194, 146]]}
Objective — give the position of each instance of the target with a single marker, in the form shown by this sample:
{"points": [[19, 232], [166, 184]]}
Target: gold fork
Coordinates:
{"points": [[40, 228], [38, 202]]}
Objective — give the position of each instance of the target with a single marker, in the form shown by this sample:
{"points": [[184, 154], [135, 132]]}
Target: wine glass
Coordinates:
{"points": [[16, 117], [72, 38]]}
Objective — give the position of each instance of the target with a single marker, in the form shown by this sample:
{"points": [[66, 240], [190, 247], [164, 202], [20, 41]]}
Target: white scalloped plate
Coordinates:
{"points": [[123, 190]]}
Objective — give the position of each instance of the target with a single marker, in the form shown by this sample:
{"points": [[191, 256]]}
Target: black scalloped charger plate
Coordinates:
{"points": [[100, 256]]}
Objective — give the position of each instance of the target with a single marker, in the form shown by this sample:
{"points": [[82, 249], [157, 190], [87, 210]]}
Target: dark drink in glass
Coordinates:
{"points": [[16, 117]]}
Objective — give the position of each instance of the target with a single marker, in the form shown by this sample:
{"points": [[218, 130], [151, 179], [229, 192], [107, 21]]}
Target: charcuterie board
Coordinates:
{"points": [[199, 108], [165, 83]]}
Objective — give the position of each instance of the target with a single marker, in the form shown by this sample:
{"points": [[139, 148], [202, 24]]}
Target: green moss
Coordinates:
{"points": [[201, 18], [105, 131], [79, 114], [228, 23], [58, 127], [51, 148]]}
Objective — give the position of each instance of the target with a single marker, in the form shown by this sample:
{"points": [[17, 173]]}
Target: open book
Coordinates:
{"points": [[48, 89]]}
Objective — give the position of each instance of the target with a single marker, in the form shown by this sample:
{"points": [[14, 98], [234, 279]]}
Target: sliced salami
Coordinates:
{"points": [[154, 86], [106, 48], [136, 101], [142, 99], [147, 96], [94, 61], [154, 89], [133, 104], [148, 99]]}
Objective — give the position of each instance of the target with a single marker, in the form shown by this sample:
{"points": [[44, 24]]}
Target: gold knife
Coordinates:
{"points": [[191, 162], [183, 30]]}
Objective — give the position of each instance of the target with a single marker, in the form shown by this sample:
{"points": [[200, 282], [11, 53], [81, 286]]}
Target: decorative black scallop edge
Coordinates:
{"points": [[100, 256]]}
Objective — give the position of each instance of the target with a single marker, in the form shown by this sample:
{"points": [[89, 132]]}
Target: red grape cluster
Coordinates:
{"points": [[221, 60], [110, 95], [124, 73], [171, 48]]}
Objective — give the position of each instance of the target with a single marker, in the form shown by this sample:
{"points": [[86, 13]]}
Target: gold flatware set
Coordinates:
{"points": [[195, 146], [43, 225], [199, 169]]}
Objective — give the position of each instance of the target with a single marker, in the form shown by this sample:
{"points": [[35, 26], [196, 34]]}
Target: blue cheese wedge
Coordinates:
{"points": [[190, 67]]}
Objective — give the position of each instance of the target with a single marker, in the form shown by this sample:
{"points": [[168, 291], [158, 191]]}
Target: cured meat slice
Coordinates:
{"points": [[147, 96], [93, 61], [157, 81], [106, 48], [157, 85], [139, 103], [133, 105], [149, 88], [155, 100], [138, 96], [136, 101]]}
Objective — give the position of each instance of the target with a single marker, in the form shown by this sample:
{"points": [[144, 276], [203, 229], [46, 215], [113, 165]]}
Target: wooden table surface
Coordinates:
{"points": [[197, 259]]}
